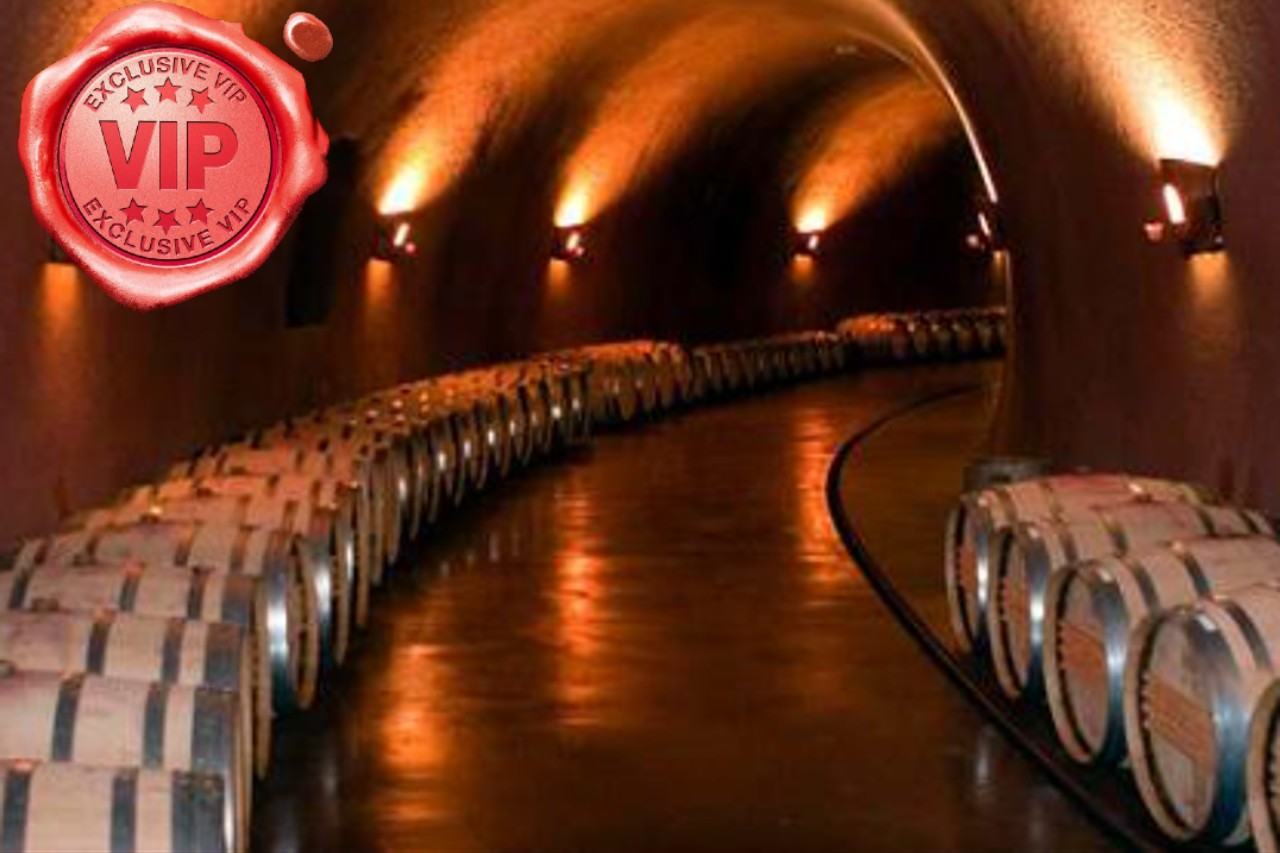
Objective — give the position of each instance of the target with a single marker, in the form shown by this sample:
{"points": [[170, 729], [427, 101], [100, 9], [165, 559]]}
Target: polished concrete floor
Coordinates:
{"points": [[657, 644]]}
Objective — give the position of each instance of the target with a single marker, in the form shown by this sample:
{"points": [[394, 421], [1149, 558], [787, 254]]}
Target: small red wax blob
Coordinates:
{"points": [[307, 36]]}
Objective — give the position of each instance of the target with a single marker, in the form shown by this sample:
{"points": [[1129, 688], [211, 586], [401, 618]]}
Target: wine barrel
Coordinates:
{"points": [[68, 808], [438, 468], [665, 381], [1262, 785], [923, 342], [985, 335], [471, 451], [1194, 677], [973, 529], [1092, 609], [213, 655], [644, 375], [425, 408], [367, 424], [520, 405], [362, 459], [324, 510], [283, 562], [991, 471], [577, 420], [164, 593], [354, 469], [539, 391], [106, 722], [966, 337], [1031, 553], [494, 416], [683, 372], [329, 538], [708, 373]]}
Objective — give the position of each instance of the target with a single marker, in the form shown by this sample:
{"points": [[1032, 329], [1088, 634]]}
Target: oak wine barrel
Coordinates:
{"points": [[69, 808], [329, 539], [1262, 771], [164, 593], [1092, 610], [973, 529], [1031, 553], [105, 722], [281, 560], [214, 655], [1194, 677]]}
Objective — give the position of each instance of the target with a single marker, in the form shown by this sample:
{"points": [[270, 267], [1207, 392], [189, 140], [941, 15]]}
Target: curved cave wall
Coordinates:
{"points": [[98, 396], [1127, 355]]}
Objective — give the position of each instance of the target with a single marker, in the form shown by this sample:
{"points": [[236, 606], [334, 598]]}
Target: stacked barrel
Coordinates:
{"points": [[913, 338], [746, 367], [148, 648], [1143, 617]]}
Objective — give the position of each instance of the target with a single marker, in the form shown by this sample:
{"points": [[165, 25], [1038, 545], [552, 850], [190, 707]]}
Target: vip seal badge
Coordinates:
{"points": [[169, 153]]}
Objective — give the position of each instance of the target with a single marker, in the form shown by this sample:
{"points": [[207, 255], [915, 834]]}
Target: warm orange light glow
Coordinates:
{"points": [[711, 62], [804, 271], [59, 27], [1175, 207], [61, 300], [811, 220], [470, 77], [1179, 135], [406, 192], [579, 597], [866, 140], [574, 209], [1163, 73]]}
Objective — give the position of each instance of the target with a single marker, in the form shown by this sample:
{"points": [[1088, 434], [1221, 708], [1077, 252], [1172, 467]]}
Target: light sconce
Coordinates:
{"points": [[569, 243], [988, 237], [807, 244], [1191, 209], [57, 255], [393, 240]]}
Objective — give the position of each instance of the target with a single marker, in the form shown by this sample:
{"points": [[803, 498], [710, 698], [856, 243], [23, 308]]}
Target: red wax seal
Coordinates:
{"points": [[169, 153]]}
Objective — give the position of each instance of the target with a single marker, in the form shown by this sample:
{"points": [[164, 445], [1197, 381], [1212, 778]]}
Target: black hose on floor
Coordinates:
{"points": [[1073, 781]]}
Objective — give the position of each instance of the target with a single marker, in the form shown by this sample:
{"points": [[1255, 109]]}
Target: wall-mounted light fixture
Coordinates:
{"points": [[57, 255], [807, 244], [1191, 209], [393, 240], [569, 243], [988, 237]]}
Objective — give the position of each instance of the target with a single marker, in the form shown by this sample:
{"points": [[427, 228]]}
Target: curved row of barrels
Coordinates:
{"points": [[911, 338], [147, 648], [1143, 616]]}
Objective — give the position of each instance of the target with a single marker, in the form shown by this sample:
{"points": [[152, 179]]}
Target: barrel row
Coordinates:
{"points": [[148, 648], [910, 338], [1143, 618], [747, 367]]}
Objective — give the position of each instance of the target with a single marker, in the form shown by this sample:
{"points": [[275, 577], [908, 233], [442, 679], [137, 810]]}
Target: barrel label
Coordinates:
{"points": [[1084, 657], [1179, 721]]}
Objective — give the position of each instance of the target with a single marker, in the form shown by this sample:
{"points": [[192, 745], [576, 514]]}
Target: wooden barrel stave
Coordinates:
{"points": [[67, 808], [163, 593], [984, 515], [94, 721], [275, 557], [1031, 553], [1092, 610], [1194, 677]]}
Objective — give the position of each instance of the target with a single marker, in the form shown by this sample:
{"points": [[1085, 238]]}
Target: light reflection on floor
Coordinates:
{"points": [[656, 644]]}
